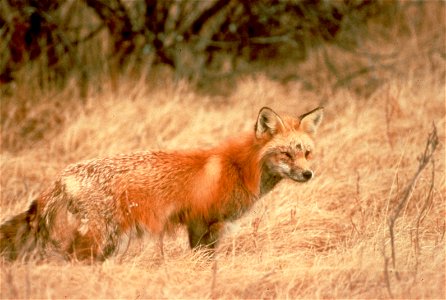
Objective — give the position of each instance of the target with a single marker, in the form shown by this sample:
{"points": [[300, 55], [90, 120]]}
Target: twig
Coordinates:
{"points": [[386, 274], [90, 35], [426, 157], [422, 214]]}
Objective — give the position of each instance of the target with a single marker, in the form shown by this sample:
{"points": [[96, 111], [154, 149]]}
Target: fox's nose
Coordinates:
{"points": [[307, 174]]}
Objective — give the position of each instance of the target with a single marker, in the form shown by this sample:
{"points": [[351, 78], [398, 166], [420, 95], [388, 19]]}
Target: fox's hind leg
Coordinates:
{"points": [[72, 237], [95, 238], [91, 246], [81, 235], [202, 233]]}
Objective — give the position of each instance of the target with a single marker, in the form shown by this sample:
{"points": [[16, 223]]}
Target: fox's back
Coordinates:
{"points": [[154, 173]]}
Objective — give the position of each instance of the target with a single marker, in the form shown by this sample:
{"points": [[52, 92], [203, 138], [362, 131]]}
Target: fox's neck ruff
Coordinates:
{"points": [[243, 153], [246, 154]]}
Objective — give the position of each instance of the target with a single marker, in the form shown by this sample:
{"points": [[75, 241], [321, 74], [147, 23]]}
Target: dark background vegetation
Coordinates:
{"points": [[203, 41]]}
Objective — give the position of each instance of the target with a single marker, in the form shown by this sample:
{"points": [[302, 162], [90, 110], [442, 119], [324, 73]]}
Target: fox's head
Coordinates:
{"points": [[288, 143]]}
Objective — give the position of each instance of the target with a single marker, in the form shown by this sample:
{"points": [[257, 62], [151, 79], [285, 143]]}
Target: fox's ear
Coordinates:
{"points": [[268, 122], [310, 121]]}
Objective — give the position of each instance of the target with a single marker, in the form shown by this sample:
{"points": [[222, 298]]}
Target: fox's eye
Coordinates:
{"points": [[287, 154], [308, 155]]}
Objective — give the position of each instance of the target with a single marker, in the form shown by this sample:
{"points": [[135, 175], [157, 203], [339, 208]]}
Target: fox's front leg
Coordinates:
{"points": [[202, 233]]}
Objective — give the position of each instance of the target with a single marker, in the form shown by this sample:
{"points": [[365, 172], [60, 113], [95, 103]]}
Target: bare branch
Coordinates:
{"points": [[386, 274], [424, 159], [422, 214]]}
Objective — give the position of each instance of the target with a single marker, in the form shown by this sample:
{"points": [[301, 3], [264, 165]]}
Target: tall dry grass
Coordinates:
{"points": [[325, 239]]}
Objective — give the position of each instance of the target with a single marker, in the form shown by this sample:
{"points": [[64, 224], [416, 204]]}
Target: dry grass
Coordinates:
{"points": [[325, 239]]}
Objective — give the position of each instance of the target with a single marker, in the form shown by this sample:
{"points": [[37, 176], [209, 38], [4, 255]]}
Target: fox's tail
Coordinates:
{"points": [[18, 235]]}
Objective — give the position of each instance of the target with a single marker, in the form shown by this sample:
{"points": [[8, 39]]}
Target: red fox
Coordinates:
{"points": [[93, 205]]}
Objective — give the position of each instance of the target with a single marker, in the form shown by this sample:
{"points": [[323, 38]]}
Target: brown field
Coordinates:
{"points": [[328, 238]]}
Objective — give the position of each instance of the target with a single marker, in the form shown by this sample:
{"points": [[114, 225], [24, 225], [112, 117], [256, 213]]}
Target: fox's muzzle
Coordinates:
{"points": [[301, 176]]}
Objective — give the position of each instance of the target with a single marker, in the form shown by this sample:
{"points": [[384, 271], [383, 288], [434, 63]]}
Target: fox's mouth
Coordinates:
{"points": [[301, 176]]}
